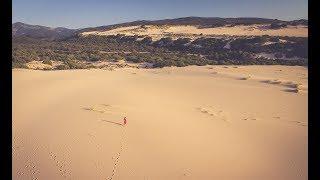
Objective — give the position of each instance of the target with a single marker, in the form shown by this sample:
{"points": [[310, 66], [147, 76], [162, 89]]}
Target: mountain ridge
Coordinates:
{"points": [[44, 32], [40, 32]]}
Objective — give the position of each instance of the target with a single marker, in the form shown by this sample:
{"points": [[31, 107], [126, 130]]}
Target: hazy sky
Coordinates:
{"points": [[89, 13]]}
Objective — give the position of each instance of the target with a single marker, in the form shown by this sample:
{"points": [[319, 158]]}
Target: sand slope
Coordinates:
{"points": [[210, 122], [157, 32]]}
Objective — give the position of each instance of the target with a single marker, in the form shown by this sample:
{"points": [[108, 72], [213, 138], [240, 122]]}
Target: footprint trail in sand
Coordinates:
{"points": [[214, 113], [117, 160], [106, 108]]}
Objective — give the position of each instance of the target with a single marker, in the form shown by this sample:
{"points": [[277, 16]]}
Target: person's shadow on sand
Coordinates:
{"points": [[112, 122]]}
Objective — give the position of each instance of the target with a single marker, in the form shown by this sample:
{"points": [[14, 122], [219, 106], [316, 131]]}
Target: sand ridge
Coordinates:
{"points": [[157, 32]]}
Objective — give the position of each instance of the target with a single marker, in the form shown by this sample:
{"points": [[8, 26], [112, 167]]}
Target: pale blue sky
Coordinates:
{"points": [[90, 13]]}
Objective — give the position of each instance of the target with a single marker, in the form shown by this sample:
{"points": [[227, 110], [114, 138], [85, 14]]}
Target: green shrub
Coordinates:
{"points": [[62, 67], [180, 64], [19, 65], [74, 65], [47, 69], [164, 52], [47, 62], [90, 66]]}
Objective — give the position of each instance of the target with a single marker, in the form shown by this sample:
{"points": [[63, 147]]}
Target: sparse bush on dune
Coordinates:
{"points": [[48, 62], [277, 25], [62, 67], [181, 41], [74, 64], [19, 65], [180, 64], [133, 58], [47, 69], [164, 52], [146, 40], [90, 66], [115, 57]]}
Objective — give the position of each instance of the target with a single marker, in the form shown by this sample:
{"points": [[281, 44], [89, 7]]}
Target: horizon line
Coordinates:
{"points": [[155, 20]]}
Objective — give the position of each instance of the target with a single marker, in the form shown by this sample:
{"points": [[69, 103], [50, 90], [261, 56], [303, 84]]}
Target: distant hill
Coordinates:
{"points": [[40, 32], [201, 22]]}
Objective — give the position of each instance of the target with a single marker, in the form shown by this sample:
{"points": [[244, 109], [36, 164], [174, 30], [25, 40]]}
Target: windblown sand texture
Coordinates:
{"points": [[209, 122]]}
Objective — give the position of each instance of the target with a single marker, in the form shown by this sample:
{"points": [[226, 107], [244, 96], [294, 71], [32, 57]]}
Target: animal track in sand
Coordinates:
{"points": [[213, 112]]}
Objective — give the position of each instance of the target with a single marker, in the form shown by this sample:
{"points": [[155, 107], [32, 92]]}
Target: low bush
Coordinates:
{"points": [[19, 65], [48, 62], [62, 67]]}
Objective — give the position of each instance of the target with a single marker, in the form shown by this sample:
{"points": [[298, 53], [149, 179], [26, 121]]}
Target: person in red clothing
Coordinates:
{"points": [[124, 121]]}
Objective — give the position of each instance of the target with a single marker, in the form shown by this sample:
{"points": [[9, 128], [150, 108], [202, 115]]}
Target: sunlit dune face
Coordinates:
{"points": [[241, 30]]}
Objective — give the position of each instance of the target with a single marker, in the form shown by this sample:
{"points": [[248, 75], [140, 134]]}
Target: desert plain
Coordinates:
{"points": [[208, 122]]}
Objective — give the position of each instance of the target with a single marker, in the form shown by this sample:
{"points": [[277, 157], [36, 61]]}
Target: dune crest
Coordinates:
{"points": [[175, 31]]}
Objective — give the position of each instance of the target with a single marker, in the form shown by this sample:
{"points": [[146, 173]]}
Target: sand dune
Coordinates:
{"points": [[157, 32], [183, 123]]}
